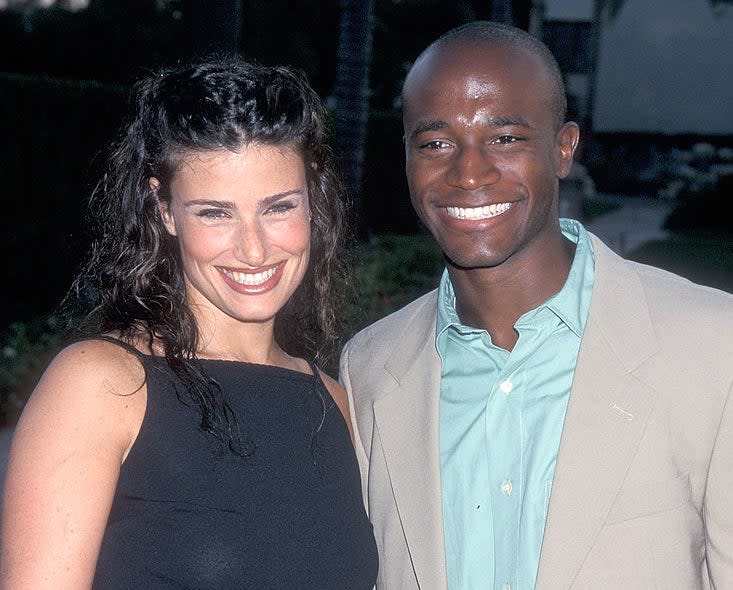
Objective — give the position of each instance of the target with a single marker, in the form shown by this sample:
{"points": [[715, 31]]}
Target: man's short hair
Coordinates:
{"points": [[499, 33]]}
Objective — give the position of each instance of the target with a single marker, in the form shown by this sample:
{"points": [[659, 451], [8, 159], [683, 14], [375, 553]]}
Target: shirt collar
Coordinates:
{"points": [[570, 304]]}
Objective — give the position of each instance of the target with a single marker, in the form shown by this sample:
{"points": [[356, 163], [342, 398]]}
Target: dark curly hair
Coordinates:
{"points": [[133, 281]]}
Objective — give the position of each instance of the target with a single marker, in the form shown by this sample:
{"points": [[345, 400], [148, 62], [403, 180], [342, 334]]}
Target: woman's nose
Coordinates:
{"points": [[251, 246]]}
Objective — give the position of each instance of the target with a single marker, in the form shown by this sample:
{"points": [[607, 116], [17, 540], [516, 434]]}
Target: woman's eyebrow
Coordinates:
{"points": [[230, 205], [210, 203], [276, 197]]}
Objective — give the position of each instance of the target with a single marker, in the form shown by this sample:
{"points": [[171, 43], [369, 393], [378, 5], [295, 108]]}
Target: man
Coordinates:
{"points": [[552, 416]]}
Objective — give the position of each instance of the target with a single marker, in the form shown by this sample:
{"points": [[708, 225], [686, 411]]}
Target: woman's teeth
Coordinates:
{"points": [[250, 278]]}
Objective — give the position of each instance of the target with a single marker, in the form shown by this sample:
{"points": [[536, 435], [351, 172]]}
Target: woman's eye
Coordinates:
{"points": [[212, 214], [281, 207]]}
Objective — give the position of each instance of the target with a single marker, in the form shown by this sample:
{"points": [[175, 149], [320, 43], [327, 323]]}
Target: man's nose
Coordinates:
{"points": [[472, 167], [251, 245]]}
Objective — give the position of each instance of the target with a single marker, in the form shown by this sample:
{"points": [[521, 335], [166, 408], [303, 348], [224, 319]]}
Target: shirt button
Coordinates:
{"points": [[506, 487], [506, 386], [506, 587]]}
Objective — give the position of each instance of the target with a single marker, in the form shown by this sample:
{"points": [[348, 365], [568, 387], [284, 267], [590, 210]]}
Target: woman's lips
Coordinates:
{"points": [[253, 281]]}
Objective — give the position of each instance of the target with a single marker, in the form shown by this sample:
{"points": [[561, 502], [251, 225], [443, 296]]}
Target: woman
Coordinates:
{"points": [[188, 444]]}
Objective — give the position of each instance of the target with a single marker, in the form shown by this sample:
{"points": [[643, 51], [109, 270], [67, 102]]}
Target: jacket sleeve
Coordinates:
{"points": [[718, 504]]}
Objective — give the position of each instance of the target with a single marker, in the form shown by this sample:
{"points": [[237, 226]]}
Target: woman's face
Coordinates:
{"points": [[243, 226]]}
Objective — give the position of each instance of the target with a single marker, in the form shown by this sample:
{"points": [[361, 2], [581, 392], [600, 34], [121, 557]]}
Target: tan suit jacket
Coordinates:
{"points": [[643, 492]]}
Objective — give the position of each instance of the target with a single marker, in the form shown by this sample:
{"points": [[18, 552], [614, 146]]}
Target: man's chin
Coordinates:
{"points": [[464, 262]]}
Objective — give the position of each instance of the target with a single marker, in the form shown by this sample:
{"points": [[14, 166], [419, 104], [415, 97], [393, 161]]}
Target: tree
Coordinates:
{"points": [[501, 11], [351, 95], [215, 25]]}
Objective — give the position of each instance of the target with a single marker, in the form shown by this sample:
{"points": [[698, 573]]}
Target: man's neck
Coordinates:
{"points": [[494, 299]]}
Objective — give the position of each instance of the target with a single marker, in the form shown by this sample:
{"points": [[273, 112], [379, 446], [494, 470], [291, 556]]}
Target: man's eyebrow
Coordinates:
{"points": [[492, 121], [509, 121], [424, 126]]}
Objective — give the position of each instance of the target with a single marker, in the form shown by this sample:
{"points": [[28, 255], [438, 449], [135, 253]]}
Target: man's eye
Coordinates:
{"points": [[436, 144], [506, 139]]}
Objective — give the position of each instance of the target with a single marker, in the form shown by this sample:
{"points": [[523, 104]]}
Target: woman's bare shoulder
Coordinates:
{"points": [[94, 384], [101, 366], [98, 363]]}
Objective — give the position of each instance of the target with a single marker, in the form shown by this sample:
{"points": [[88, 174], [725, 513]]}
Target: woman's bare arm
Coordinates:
{"points": [[70, 441]]}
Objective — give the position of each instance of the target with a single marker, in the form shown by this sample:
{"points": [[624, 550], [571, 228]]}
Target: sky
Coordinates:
{"points": [[665, 66]]}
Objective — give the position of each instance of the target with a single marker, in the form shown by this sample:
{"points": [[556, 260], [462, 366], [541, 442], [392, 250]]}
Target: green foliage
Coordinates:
{"points": [[303, 34], [25, 351], [110, 41], [391, 271], [593, 208], [55, 133], [386, 199], [704, 211], [706, 262]]}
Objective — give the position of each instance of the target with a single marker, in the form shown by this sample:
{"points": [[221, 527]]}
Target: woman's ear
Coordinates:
{"points": [[163, 207]]}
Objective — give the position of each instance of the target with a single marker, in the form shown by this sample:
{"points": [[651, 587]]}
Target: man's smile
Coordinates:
{"points": [[478, 212]]}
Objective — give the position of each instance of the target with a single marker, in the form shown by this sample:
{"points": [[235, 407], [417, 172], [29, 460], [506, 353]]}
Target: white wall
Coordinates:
{"points": [[665, 66]]}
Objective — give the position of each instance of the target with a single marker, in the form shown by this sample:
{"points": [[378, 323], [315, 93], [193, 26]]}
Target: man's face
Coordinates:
{"points": [[483, 152]]}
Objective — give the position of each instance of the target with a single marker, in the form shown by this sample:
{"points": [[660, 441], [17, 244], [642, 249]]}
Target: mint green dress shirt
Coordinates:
{"points": [[501, 417]]}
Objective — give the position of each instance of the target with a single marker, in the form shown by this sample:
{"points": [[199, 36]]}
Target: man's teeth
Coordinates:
{"points": [[478, 212], [249, 278]]}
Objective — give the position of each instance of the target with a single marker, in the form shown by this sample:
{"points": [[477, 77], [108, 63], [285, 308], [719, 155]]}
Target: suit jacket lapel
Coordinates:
{"points": [[406, 420], [605, 420]]}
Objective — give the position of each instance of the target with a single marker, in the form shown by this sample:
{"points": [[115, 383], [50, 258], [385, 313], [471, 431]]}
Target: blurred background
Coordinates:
{"points": [[649, 81]]}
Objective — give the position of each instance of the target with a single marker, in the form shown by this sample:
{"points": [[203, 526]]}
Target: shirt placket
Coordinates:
{"points": [[505, 452]]}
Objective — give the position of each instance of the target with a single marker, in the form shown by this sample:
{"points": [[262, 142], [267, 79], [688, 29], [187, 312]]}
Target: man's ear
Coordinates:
{"points": [[163, 207], [566, 142]]}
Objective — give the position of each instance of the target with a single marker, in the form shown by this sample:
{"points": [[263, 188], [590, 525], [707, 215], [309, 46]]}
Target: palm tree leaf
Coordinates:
{"points": [[613, 7]]}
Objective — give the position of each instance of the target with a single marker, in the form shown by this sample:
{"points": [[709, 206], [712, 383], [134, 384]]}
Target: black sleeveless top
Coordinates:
{"points": [[190, 514]]}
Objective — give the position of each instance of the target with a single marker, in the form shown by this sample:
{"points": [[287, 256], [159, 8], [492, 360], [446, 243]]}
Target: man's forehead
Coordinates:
{"points": [[474, 70], [463, 56]]}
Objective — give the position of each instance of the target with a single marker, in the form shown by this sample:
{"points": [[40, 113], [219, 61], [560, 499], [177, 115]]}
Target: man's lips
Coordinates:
{"points": [[478, 213]]}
